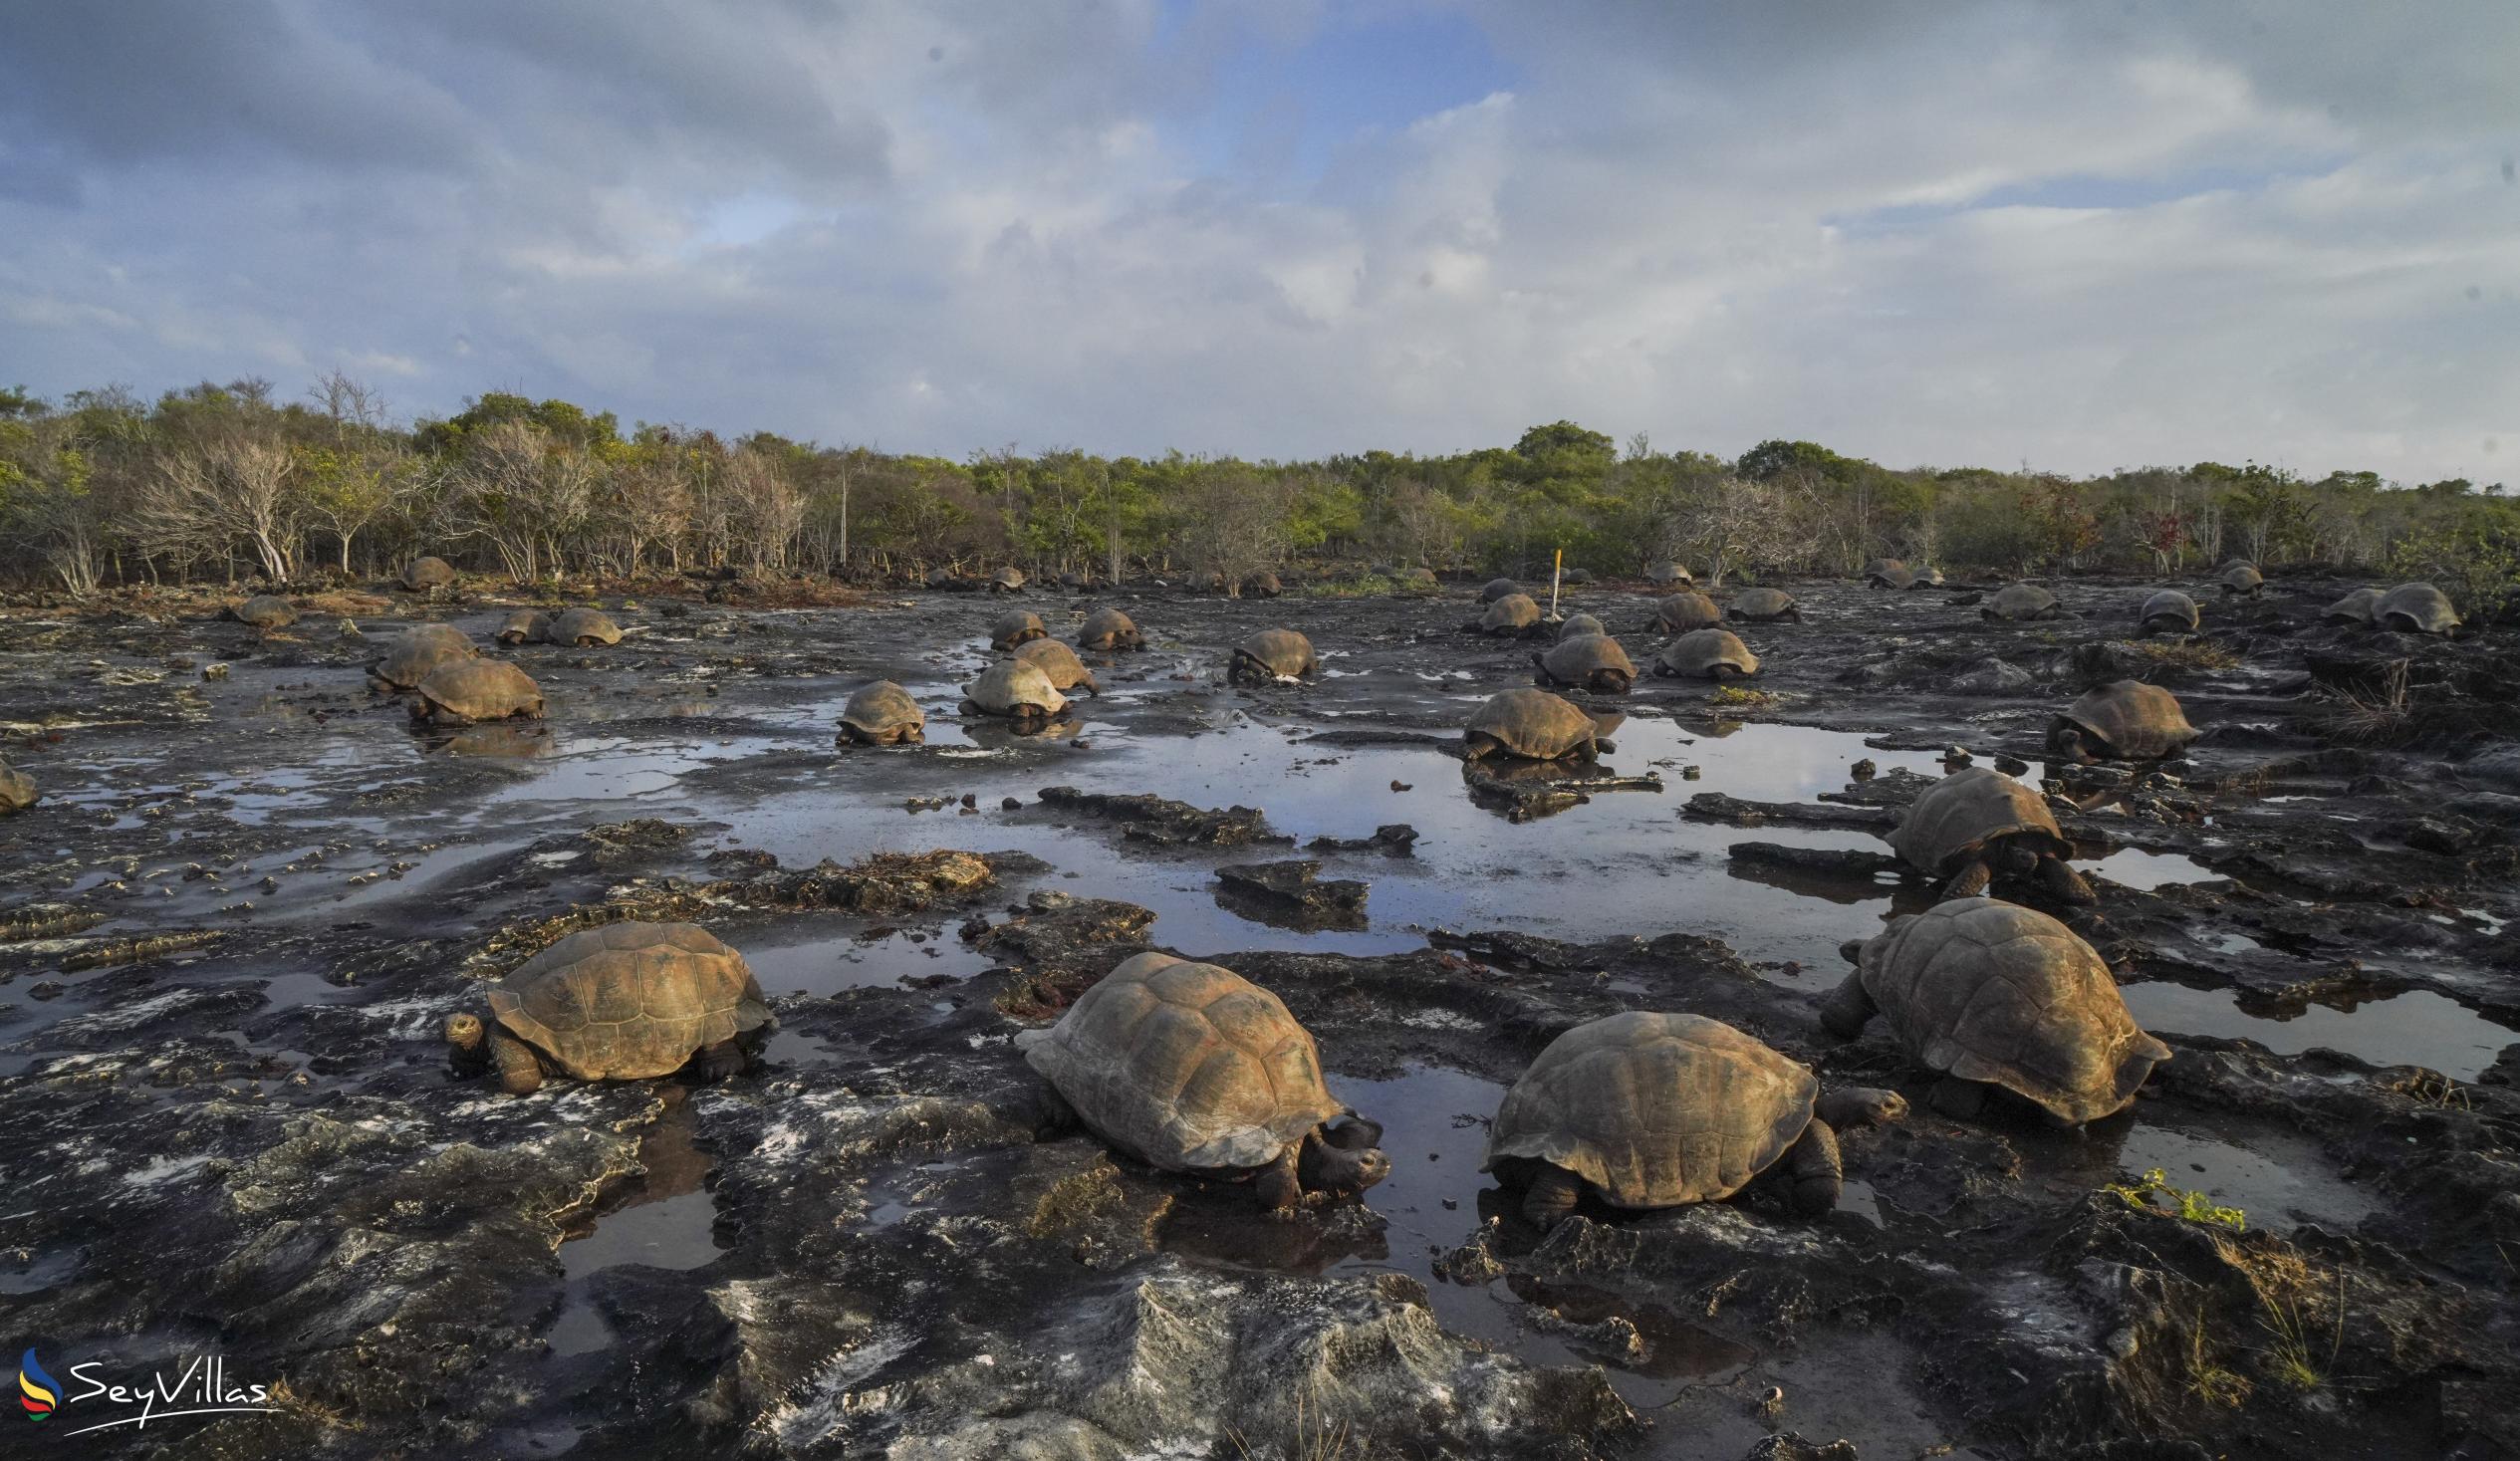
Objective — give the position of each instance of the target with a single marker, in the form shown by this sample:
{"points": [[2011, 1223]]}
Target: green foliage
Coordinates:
{"points": [[2154, 1194]]}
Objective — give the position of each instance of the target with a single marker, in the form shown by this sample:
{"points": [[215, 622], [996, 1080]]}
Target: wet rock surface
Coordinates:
{"points": [[231, 929]]}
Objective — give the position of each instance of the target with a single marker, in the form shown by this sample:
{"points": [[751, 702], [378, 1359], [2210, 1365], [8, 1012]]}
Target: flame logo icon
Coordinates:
{"points": [[36, 1391]]}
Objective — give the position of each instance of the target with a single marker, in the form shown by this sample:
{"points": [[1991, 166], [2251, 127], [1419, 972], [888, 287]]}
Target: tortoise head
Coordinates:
{"points": [[2070, 741], [1342, 1159], [467, 1039]]}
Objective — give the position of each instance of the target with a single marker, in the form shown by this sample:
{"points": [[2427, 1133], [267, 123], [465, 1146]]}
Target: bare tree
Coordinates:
{"points": [[223, 491]]}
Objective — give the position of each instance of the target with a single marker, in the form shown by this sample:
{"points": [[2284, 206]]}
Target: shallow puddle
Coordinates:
{"points": [[2416, 1028], [662, 1220]]}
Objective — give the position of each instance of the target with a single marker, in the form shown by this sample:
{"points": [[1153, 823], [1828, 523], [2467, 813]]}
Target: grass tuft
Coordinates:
{"points": [[2154, 1194]]}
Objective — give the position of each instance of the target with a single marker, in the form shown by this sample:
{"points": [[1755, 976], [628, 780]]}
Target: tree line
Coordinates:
{"points": [[230, 482]]}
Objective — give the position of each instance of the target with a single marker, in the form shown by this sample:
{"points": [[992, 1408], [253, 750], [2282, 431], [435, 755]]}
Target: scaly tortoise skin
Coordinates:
{"points": [[2169, 611], [413, 654], [1015, 689], [468, 691], [582, 626], [1512, 614], [621, 1002], [1190, 1067], [2239, 576], [2415, 608], [1056, 660], [1020, 627], [1991, 994], [2020, 603], [883, 714], [1272, 656], [1682, 612], [525, 627], [1652, 1111], [1763, 606], [1976, 822], [1108, 629], [2358, 607], [1706, 654], [1593, 662], [266, 611], [1531, 725], [426, 572], [2124, 720]]}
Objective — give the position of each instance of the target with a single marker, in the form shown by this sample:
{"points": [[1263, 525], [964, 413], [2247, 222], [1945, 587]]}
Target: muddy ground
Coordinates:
{"points": [[231, 929]]}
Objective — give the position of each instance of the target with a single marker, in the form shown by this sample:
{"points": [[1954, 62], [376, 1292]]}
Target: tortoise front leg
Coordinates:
{"points": [[1818, 1170], [1971, 881], [1961, 1100], [1277, 1186], [719, 1061], [1552, 1197], [2067, 884], [520, 1071], [1847, 1009]]}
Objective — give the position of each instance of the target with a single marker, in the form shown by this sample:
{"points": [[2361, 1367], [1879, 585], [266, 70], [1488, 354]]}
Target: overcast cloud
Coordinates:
{"points": [[2082, 236]]}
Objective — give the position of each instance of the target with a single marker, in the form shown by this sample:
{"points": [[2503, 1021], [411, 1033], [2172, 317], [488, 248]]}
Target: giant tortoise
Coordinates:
{"points": [[1706, 654], [426, 572], [1763, 606], [1272, 657], [1056, 660], [1190, 1067], [1106, 631], [266, 611], [525, 627], [1261, 585], [582, 626], [1531, 725], [1976, 822], [1016, 626], [621, 1002], [1591, 662], [2018, 601], [2415, 608], [1682, 612], [1649, 1110], [17, 788], [467, 691], [2240, 576], [2354, 608], [1008, 579], [1577, 625], [1513, 615], [1016, 690], [1990, 994], [1497, 589], [883, 714], [2124, 720], [1888, 573], [1666, 573], [2169, 611], [410, 655]]}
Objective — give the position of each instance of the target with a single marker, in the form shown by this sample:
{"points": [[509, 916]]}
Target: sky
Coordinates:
{"points": [[2078, 235]]}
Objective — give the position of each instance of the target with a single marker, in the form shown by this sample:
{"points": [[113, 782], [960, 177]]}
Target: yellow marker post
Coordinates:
{"points": [[1556, 571]]}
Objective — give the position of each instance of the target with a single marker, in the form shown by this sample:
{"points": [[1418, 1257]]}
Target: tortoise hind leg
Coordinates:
{"points": [[1551, 1198], [2061, 879], [520, 1073], [1962, 1100], [1817, 1169], [1849, 1009], [1970, 881]]}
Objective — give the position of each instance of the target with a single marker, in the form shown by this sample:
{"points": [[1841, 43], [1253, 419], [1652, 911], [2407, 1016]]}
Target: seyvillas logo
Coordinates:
{"points": [[201, 1387], [36, 1391]]}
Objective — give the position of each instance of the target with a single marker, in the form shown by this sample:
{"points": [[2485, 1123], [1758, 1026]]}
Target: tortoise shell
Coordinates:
{"points": [[266, 611], [1422, 578], [1577, 625], [1761, 604], [17, 788], [461, 691], [1497, 589], [1007, 579], [1531, 724], [1278, 653], [1262, 584], [1108, 628], [1957, 816], [413, 654], [2169, 610], [427, 573], [2415, 608], [1925, 577], [1656, 1110], [1684, 611], [884, 714], [525, 627], [1020, 627], [2240, 578], [582, 626], [1704, 654], [1667, 572], [2356, 607], [1011, 686], [1589, 662], [1896, 576], [1995, 992], [1058, 662], [1510, 614], [630, 1001], [1187, 1067], [2133, 720], [2021, 601]]}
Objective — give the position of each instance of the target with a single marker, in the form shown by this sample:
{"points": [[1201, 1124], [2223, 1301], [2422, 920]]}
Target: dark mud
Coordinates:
{"points": [[230, 930]]}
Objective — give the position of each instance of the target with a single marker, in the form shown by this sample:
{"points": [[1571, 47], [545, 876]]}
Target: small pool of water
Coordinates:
{"points": [[662, 1220], [2416, 1028], [2137, 869], [824, 966]]}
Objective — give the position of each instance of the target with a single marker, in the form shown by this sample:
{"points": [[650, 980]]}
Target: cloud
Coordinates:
{"points": [[1948, 232]]}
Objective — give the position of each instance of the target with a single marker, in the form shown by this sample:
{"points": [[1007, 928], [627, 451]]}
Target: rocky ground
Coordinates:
{"points": [[231, 929]]}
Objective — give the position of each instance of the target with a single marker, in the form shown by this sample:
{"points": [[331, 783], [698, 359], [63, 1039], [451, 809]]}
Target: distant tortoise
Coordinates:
{"points": [[1074, 580], [1531, 725], [1706, 654], [1014, 689], [426, 572], [1667, 572], [619, 1002], [2022, 601], [1576, 577], [1989, 993], [1008, 579], [1108, 629], [1513, 615], [266, 611], [2240, 576], [883, 714], [2170, 613], [1577, 625], [525, 627], [1422, 578], [17, 788], [1649, 1111], [1591, 662], [2124, 720], [2415, 608], [1976, 822], [2359, 608], [1056, 660], [1764, 607], [410, 655], [1925, 577], [1190, 1067], [1016, 626], [1682, 612], [1262, 584], [1207, 580], [1270, 656], [582, 626], [1497, 589], [466, 691], [1887, 573]]}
